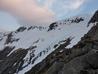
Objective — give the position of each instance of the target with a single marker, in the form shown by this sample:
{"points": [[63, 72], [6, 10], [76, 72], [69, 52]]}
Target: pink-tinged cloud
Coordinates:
{"points": [[27, 11]]}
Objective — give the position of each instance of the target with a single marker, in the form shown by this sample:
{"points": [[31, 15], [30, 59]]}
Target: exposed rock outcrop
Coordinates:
{"points": [[11, 64]]}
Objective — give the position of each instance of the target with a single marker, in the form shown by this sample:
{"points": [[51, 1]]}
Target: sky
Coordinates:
{"points": [[14, 13]]}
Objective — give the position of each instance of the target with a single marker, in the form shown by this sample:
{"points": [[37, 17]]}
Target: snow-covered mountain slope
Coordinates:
{"points": [[40, 41]]}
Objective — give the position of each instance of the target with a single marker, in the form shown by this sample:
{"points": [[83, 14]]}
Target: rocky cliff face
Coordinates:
{"points": [[54, 49]]}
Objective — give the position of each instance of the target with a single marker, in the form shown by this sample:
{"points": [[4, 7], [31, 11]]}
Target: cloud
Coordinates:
{"points": [[49, 3], [73, 4], [27, 11], [64, 7], [46, 11], [68, 4]]}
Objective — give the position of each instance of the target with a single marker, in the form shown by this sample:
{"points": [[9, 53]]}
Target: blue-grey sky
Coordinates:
{"points": [[8, 22], [41, 11]]}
